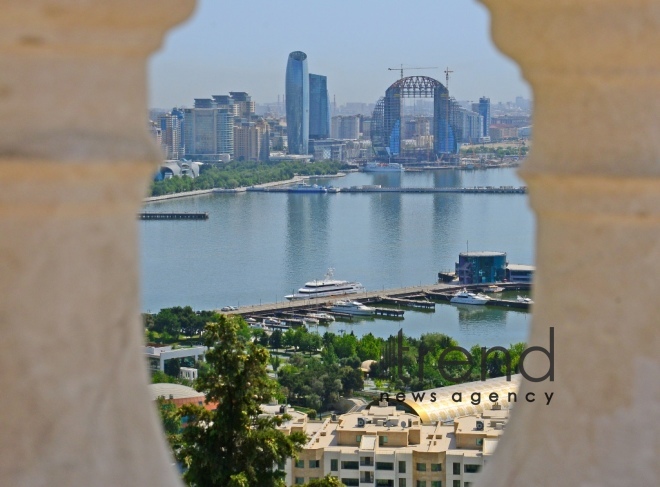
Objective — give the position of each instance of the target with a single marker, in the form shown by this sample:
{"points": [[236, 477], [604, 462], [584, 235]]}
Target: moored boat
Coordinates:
{"points": [[465, 297], [326, 287], [353, 308]]}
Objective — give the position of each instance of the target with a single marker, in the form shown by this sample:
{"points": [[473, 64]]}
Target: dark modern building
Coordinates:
{"points": [[481, 267], [319, 109], [484, 111], [297, 103]]}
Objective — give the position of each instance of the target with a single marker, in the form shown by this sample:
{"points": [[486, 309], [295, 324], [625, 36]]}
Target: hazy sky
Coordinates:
{"points": [[243, 45]]}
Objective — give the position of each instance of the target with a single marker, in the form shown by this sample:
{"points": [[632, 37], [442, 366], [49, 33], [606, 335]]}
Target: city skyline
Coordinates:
{"points": [[353, 46]]}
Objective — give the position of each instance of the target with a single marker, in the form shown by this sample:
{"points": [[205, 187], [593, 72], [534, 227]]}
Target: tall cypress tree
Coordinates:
{"points": [[232, 446]]}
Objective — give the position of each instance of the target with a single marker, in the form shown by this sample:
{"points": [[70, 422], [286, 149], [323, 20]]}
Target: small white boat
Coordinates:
{"points": [[310, 321], [522, 299], [272, 321], [353, 308], [321, 316], [493, 289], [465, 297]]}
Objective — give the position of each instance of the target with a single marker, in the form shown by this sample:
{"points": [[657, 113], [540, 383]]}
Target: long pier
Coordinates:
{"points": [[173, 216], [413, 296]]}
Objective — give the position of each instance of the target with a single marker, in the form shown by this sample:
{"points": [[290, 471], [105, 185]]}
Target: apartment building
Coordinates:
{"points": [[383, 446]]}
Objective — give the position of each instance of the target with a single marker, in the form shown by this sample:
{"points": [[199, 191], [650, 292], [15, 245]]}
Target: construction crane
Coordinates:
{"points": [[402, 69], [447, 72]]}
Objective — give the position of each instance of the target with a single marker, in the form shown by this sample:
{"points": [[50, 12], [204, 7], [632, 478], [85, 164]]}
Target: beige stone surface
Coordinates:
{"points": [[75, 158], [75, 161], [593, 175]]}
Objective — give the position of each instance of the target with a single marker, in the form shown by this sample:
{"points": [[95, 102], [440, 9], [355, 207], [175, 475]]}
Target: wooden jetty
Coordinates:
{"points": [[389, 312], [173, 216], [409, 303]]}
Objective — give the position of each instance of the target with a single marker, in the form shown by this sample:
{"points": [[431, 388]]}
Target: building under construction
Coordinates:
{"points": [[388, 122]]}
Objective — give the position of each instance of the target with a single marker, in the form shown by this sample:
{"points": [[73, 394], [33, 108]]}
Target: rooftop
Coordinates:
{"points": [[482, 253], [173, 391]]}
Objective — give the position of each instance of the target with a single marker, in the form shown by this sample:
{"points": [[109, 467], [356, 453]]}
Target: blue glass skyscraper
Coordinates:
{"points": [[319, 113], [297, 103], [484, 111]]}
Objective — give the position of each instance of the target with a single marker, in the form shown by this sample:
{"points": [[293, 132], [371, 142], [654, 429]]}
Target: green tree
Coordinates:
{"points": [[275, 340], [171, 421], [345, 345], [351, 380], [275, 362], [368, 347], [166, 321], [232, 446], [327, 481]]}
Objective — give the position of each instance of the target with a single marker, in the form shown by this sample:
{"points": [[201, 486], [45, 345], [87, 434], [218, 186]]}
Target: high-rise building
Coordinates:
{"points": [[224, 101], [204, 103], [345, 127], [251, 141], [244, 107], [208, 133], [297, 103], [319, 110], [471, 124], [171, 131], [484, 111]]}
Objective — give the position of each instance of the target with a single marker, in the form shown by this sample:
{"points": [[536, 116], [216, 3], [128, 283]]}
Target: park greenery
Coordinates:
{"points": [[237, 446], [498, 152], [242, 174], [314, 370]]}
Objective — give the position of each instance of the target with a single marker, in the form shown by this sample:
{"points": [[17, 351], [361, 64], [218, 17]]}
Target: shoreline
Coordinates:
{"points": [[242, 189]]}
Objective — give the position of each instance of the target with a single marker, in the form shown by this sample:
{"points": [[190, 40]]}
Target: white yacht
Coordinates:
{"points": [[382, 167], [352, 308], [465, 297], [522, 299], [326, 287]]}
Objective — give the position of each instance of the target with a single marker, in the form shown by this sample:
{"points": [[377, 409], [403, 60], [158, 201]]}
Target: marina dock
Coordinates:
{"points": [[419, 297], [173, 216]]}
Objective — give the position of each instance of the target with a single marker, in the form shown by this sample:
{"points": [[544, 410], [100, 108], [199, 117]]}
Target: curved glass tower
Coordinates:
{"points": [[297, 103]]}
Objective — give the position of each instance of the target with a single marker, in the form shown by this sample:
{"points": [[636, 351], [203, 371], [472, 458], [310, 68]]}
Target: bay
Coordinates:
{"points": [[257, 247]]}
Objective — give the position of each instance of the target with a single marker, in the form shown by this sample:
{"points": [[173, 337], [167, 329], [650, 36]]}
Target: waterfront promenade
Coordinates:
{"points": [[243, 189], [200, 192]]}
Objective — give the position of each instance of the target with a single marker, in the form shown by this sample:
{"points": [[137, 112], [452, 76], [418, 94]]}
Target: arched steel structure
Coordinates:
{"points": [[416, 86], [387, 117]]}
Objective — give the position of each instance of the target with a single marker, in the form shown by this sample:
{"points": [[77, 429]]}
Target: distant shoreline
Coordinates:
{"points": [[243, 189]]}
